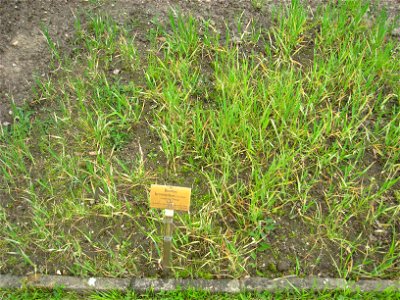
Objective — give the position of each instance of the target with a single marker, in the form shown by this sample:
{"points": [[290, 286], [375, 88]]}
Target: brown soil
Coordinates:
{"points": [[23, 49]]}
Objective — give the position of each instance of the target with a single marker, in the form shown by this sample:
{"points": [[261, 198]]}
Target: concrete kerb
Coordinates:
{"points": [[140, 285]]}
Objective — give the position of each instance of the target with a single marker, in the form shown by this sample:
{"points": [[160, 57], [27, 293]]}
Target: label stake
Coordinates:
{"points": [[168, 228], [170, 198]]}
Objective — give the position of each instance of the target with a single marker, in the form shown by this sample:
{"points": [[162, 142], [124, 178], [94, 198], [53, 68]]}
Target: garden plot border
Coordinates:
{"points": [[141, 285]]}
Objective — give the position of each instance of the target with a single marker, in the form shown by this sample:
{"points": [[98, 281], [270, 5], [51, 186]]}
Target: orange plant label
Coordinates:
{"points": [[170, 197]]}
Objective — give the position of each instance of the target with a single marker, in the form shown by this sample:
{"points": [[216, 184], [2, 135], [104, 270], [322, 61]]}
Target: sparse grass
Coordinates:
{"points": [[193, 294], [292, 151]]}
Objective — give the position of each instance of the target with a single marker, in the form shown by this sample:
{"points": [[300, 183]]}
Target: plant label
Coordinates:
{"points": [[170, 197]]}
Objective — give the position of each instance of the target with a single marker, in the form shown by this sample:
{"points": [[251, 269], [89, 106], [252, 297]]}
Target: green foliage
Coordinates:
{"points": [[194, 294]]}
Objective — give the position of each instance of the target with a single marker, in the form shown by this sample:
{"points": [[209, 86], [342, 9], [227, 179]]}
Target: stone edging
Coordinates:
{"points": [[252, 284]]}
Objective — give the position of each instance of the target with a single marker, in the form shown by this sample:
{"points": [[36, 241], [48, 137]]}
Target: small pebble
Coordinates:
{"points": [[283, 266], [92, 281], [116, 71]]}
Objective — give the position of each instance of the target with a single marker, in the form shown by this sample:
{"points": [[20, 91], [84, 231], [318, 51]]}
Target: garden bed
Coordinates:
{"points": [[286, 125]]}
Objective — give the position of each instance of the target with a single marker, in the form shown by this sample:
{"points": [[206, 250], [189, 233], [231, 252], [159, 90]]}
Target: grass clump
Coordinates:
{"points": [[292, 151]]}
